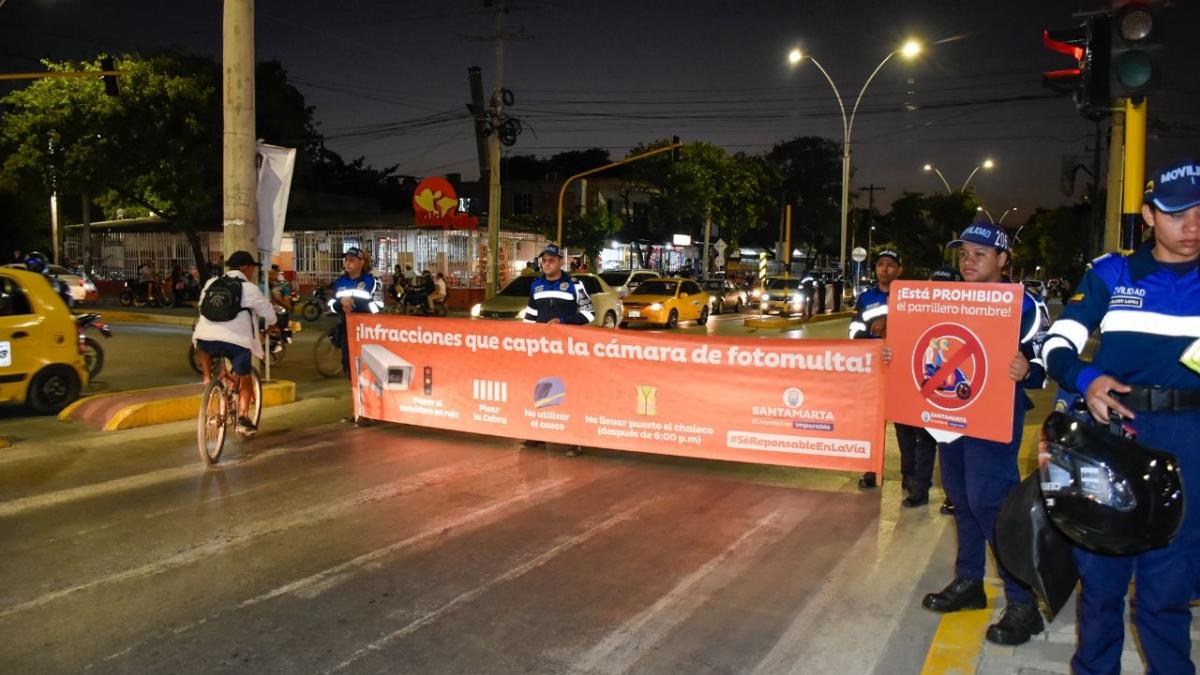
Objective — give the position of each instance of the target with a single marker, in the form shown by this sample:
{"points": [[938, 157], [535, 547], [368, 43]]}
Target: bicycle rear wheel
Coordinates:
{"points": [[328, 357], [211, 421]]}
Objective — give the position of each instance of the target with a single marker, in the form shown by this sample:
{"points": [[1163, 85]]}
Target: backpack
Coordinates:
{"points": [[222, 300]]}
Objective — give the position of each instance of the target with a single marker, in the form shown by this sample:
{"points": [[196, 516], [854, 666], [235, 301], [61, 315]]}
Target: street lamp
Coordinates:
{"points": [[987, 164], [1006, 212], [980, 209], [909, 50]]}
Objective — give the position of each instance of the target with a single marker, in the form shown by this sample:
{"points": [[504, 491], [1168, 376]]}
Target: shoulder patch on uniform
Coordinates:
{"points": [[562, 286], [1078, 297]]}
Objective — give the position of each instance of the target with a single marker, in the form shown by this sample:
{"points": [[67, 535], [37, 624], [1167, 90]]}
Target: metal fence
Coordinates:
{"points": [[117, 255]]}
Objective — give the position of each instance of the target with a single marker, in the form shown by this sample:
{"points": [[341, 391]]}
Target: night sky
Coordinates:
{"points": [[618, 72]]}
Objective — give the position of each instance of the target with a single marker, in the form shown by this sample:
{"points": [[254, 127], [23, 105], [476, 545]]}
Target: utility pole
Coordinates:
{"points": [[871, 190], [1134, 175], [238, 173], [493, 263]]}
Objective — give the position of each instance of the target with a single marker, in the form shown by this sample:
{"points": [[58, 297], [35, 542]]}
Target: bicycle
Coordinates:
{"points": [[219, 409], [328, 355]]}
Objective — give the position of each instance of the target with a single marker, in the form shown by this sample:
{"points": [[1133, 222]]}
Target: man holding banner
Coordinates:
{"points": [[917, 447], [978, 474]]}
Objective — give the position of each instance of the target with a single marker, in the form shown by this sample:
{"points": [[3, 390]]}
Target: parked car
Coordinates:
{"points": [[81, 287], [783, 295], [722, 295], [666, 302], [624, 281], [511, 301], [41, 361], [1036, 287]]}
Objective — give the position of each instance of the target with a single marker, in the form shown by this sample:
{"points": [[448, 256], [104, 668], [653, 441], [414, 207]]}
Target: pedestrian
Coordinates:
{"points": [[917, 447], [439, 291], [1146, 306], [556, 298], [357, 291], [410, 277], [978, 474]]}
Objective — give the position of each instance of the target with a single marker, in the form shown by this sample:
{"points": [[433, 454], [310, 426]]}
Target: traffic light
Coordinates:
{"points": [[1088, 44], [675, 152], [1135, 45], [110, 81]]}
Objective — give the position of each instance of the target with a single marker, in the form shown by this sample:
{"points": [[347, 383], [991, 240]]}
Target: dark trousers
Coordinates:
{"points": [[977, 475], [345, 347], [1167, 578], [917, 452]]}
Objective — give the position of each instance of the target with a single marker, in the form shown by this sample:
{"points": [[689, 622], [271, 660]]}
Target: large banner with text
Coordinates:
{"points": [[952, 344], [803, 403]]}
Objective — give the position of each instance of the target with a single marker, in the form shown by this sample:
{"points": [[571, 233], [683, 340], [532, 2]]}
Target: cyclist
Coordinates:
{"points": [[236, 337]]}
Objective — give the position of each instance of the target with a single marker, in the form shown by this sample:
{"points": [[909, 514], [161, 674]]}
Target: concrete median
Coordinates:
{"points": [[157, 405]]}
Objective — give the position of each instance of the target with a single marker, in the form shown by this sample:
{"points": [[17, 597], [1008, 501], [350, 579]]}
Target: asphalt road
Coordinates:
{"points": [[318, 547]]}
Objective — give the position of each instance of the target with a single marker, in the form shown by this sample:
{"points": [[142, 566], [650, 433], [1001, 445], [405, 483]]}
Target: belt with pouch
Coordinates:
{"points": [[1160, 399]]}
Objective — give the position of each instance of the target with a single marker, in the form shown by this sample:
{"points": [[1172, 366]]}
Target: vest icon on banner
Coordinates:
{"points": [[645, 399], [435, 204]]}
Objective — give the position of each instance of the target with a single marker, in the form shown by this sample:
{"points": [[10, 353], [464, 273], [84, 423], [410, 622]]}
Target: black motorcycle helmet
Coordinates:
{"points": [[36, 262], [1108, 494]]}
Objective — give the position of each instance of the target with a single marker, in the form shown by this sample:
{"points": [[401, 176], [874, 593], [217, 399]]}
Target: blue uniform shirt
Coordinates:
{"points": [[564, 299], [871, 306], [366, 291], [1147, 316]]}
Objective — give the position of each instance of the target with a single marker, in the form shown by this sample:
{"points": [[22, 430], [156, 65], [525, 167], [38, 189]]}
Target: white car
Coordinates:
{"points": [[82, 289], [625, 281]]}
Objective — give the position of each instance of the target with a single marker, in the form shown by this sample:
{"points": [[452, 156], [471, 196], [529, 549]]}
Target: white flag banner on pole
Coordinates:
{"points": [[274, 185]]}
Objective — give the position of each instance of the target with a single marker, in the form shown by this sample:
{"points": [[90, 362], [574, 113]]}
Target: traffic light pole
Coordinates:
{"points": [[563, 190], [1113, 196], [1134, 174]]}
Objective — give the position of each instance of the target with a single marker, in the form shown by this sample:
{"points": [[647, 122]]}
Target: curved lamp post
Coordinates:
{"points": [[985, 164], [908, 50]]}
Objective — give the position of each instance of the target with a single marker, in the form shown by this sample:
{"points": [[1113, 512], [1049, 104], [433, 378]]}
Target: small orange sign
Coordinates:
{"points": [[435, 204], [951, 345]]}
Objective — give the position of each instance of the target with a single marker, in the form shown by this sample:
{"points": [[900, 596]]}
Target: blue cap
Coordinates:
{"points": [[983, 234], [1175, 187], [888, 253], [353, 251], [552, 249]]}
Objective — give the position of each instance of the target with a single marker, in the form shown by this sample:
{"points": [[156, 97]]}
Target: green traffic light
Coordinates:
{"points": [[1133, 69]]}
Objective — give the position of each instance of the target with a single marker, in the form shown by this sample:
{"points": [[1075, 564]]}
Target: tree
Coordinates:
{"points": [[587, 232], [810, 176], [923, 225], [1055, 240]]}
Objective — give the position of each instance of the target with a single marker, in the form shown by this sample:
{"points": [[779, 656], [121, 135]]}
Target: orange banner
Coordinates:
{"points": [[952, 344], [800, 403]]}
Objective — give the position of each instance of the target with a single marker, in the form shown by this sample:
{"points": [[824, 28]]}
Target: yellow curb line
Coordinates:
{"points": [[3, 442], [959, 640], [149, 413], [830, 317], [64, 415], [772, 322], [139, 317]]}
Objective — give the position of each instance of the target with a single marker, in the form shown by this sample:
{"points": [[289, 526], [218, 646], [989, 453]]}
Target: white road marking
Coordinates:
{"points": [[621, 649], [255, 531], [512, 573]]}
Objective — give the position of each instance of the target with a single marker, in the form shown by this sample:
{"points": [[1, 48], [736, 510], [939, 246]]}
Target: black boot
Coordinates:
{"points": [[947, 508], [1019, 622], [867, 481], [915, 499], [960, 594]]}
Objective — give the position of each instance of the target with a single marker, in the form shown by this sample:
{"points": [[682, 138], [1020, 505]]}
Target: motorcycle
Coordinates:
{"points": [[416, 302], [186, 289], [89, 347], [155, 293], [312, 308]]}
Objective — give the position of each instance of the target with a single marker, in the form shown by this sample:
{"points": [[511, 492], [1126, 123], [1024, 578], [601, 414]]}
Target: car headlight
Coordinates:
{"points": [[655, 307], [797, 299], [712, 300], [756, 294], [477, 309]]}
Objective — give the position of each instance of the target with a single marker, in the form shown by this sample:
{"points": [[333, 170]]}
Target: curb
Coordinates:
{"points": [[772, 322], [3, 442], [177, 409], [146, 317], [831, 317], [958, 642]]}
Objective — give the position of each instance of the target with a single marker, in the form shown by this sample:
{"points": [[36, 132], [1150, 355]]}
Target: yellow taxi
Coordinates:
{"points": [[666, 302], [41, 363]]}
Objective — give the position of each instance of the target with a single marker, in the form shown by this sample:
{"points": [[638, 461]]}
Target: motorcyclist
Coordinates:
{"points": [[38, 263]]}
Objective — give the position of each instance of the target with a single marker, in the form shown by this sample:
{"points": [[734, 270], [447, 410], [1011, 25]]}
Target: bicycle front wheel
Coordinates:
{"points": [[328, 358], [254, 412], [211, 421]]}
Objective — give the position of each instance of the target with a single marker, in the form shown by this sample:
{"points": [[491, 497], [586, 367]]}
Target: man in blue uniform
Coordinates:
{"points": [[356, 291], [1147, 307], [554, 297], [917, 447], [978, 474]]}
